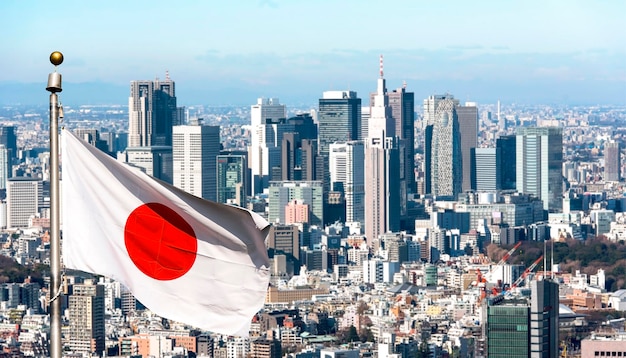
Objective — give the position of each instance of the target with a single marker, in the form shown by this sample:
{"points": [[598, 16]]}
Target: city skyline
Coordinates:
{"points": [[233, 53]]}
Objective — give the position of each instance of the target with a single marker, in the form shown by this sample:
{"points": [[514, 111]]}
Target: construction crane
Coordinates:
{"points": [[502, 260], [526, 272], [508, 254]]}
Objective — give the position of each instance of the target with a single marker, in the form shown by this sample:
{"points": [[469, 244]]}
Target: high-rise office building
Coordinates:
{"points": [[383, 187], [24, 198], [468, 130], [347, 175], [539, 152], [525, 327], [382, 194], [86, 319], [4, 166], [195, 150], [402, 105], [152, 113], [285, 239], [9, 139], [506, 149], [446, 161], [339, 118], [266, 137], [612, 162], [290, 159], [299, 157], [92, 136], [507, 329], [153, 160], [430, 114], [544, 319], [395, 113], [281, 193], [486, 175], [304, 125], [232, 178]]}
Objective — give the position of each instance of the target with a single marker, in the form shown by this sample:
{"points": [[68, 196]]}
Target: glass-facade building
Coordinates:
{"points": [[339, 118], [232, 179], [507, 330], [282, 193], [539, 153], [506, 148]]}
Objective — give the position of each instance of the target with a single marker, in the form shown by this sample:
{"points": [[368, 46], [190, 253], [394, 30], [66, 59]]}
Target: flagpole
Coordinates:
{"points": [[54, 86]]}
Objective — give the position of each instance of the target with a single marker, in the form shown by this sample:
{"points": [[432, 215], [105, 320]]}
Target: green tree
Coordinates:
{"points": [[353, 334]]}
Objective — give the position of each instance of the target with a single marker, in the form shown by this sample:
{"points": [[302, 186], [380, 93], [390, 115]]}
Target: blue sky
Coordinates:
{"points": [[231, 52]]}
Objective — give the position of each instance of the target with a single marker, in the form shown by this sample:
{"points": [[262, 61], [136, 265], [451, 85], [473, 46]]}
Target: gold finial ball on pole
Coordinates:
{"points": [[56, 58]]}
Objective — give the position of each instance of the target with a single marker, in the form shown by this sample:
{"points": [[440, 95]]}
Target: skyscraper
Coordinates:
{"points": [[612, 162], [382, 194], [339, 118], [468, 130], [290, 168], [86, 307], [152, 113], [155, 160], [266, 137], [283, 192], [195, 150], [507, 148], [486, 175], [9, 140], [430, 111], [299, 157], [92, 136], [507, 329], [4, 166], [544, 319], [24, 198], [232, 181], [446, 161], [347, 175], [285, 239], [402, 105], [539, 152], [383, 188]]}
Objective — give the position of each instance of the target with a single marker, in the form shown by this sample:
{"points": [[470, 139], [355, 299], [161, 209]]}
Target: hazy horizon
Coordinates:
{"points": [[535, 52]]}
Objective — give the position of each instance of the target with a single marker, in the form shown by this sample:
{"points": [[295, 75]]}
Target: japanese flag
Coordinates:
{"points": [[187, 259]]}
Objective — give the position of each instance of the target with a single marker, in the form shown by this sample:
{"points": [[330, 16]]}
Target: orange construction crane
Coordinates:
{"points": [[503, 260], [509, 253]]}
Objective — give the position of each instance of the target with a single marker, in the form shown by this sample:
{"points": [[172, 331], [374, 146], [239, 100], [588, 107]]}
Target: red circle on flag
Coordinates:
{"points": [[160, 242]]}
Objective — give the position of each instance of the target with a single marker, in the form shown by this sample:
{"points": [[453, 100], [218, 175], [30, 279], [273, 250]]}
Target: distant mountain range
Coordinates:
{"points": [[298, 94], [94, 93]]}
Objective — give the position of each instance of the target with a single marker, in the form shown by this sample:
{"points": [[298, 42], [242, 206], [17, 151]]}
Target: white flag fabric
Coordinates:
{"points": [[185, 258]]}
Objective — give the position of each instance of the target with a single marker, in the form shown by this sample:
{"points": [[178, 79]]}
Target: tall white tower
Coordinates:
{"points": [[195, 149], [264, 118], [346, 169], [382, 168], [381, 123]]}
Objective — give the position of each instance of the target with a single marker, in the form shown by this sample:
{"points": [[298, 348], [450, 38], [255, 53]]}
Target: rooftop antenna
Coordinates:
{"points": [[381, 66], [404, 84], [167, 75]]}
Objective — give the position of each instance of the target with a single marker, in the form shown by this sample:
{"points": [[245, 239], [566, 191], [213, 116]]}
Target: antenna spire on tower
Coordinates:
{"points": [[381, 66], [167, 75]]}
